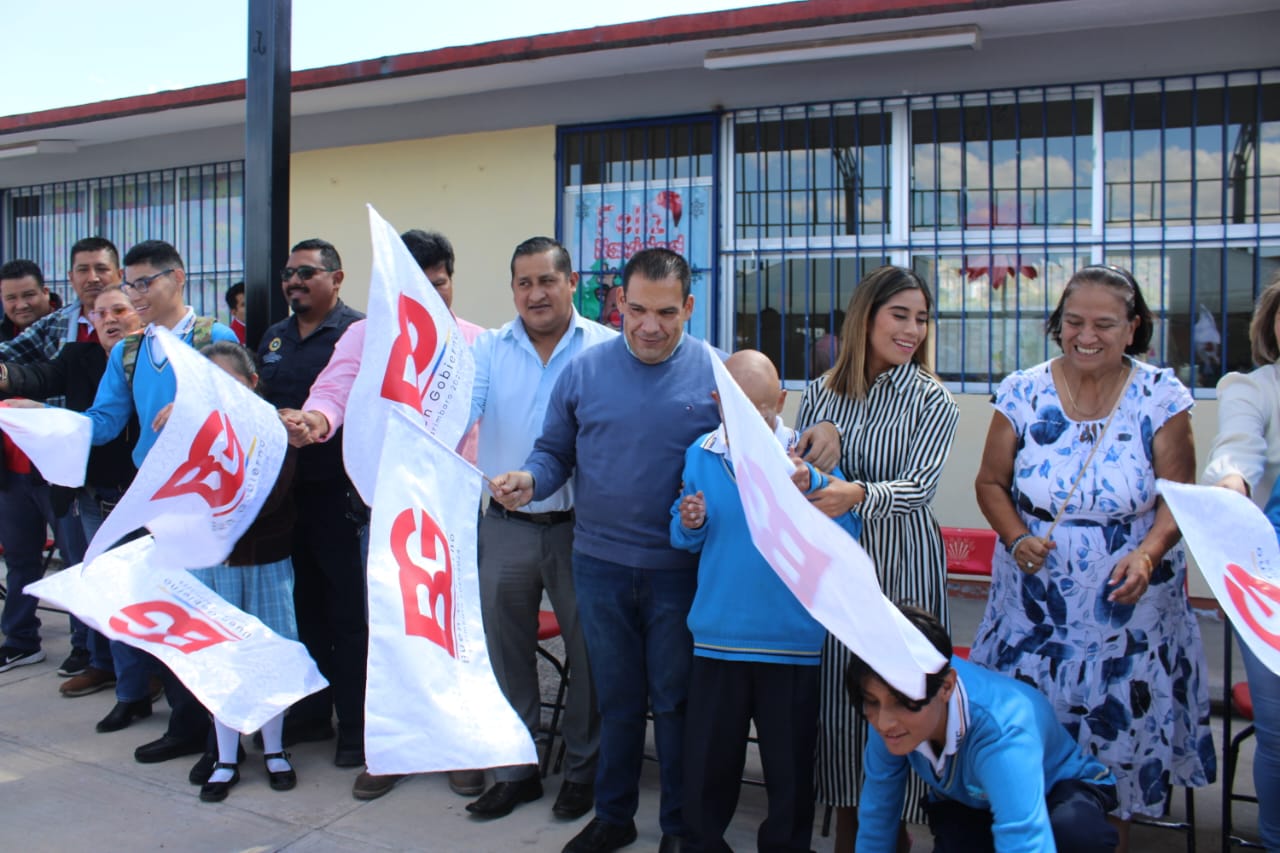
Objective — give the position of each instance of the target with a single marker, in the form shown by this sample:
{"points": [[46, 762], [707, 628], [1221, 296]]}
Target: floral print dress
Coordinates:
{"points": [[1128, 681]]}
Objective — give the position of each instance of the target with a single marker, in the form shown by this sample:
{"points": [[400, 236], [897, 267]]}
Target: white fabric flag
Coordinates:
{"points": [[414, 358], [826, 570], [56, 440], [238, 668], [209, 472], [1235, 547], [432, 702]]}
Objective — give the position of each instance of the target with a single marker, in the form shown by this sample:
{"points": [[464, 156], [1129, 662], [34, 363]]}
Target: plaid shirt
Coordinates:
{"points": [[42, 340]]}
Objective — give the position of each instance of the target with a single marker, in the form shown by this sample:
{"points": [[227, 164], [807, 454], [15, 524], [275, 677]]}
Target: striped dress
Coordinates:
{"points": [[895, 444]]}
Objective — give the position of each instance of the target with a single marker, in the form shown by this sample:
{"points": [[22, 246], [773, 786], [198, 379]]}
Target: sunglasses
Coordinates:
{"points": [[116, 311], [303, 273]]}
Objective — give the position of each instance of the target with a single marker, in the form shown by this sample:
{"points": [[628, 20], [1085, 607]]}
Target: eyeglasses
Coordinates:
{"points": [[304, 273], [116, 311], [142, 285]]}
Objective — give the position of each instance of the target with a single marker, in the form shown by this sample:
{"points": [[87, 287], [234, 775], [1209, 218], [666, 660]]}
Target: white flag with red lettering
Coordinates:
{"points": [[209, 472], [1236, 549], [432, 702], [414, 359], [826, 570], [238, 668], [55, 440]]}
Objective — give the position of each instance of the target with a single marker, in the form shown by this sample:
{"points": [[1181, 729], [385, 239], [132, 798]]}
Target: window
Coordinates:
{"points": [[199, 209]]}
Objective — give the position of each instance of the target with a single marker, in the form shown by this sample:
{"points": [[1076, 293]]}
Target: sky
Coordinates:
{"points": [[70, 52]]}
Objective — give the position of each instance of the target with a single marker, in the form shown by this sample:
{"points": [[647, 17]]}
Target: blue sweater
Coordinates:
{"points": [[620, 427], [154, 387], [1012, 752], [742, 610]]}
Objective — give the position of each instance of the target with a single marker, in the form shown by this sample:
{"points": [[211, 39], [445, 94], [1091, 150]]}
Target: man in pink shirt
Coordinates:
{"points": [[324, 412]]}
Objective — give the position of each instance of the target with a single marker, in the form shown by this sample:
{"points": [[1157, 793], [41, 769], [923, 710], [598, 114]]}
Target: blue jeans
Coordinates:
{"points": [[133, 668], [640, 651], [1264, 688], [25, 515], [68, 532]]}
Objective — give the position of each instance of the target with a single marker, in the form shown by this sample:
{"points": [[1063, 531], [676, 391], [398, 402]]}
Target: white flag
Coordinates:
{"points": [[432, 702], [826, 570], [1235, 547], [414, 359], [238, 668], [209, 472], [56, 440]]}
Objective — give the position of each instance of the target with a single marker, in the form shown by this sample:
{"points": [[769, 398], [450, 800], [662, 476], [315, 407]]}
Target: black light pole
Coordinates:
{"points": [[266, 163]]}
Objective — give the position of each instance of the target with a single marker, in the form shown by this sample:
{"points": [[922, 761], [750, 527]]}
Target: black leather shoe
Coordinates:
{"points": [[574, 800], [281, 780], [670, 844], [216, 792], [601, 837], [200, 771], [167, 748], [123, 714], [499, 800]]}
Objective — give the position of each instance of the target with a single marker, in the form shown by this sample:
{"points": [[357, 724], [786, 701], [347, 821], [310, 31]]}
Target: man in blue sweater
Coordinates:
{"points": [[619, 420], [756, 649], [1003, 773]]}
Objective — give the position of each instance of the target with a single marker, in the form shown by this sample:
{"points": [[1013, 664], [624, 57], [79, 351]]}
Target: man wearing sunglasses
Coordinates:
{"points": [[140, 380], [327, 558]]}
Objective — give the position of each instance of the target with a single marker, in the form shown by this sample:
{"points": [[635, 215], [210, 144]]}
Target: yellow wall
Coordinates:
{"points": [[485, 191]]}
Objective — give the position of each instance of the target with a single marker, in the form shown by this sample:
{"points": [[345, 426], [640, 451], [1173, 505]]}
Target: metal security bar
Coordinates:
{"points": [[995, 198], [199, 209], [631, 186]]}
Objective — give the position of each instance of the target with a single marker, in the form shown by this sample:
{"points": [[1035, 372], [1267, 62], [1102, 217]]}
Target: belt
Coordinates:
{"points": [[546, 519]]}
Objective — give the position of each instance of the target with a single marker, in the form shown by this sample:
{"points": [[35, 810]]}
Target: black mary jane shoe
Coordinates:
{"points": [[216, 792], [285, 780]]}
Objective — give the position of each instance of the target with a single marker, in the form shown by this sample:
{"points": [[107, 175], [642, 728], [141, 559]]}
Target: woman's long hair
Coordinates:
{"points": [[849, 375]]}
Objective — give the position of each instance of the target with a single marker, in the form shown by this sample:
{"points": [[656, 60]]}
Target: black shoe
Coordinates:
{"points": [[167, 748], [575, 800], [216, 792], [601, 837], [282, 780], [123, 714], [670, 844], [201, 769], [499, 800], [76, 663]]}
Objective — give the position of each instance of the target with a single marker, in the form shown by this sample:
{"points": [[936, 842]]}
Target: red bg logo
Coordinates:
{"points": [[415, 322], [217, 478], [167, 624], [1243, 589], [434, 580]]}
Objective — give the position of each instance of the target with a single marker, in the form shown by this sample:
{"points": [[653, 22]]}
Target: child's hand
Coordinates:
{"points": [[693, 511], [800, 476]]}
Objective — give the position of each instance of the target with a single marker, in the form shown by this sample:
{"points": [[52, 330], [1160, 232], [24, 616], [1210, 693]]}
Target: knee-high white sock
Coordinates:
{"points": [[273, 741], [228, 746]]}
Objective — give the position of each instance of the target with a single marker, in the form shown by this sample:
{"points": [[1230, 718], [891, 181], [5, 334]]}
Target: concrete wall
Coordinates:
{"points": [[485, 191]]}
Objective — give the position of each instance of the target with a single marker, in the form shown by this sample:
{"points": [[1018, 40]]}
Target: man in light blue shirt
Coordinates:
{"points": [[522, 553]]}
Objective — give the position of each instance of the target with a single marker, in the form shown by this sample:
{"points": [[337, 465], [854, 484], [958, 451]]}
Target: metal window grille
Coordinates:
{"points": [[995, 198], [199, 209], [637, 185]]}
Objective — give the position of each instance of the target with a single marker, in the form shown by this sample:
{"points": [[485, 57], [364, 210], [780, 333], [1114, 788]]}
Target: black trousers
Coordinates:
{"points": [[724, 698], [1077, 813], [329, 597]]}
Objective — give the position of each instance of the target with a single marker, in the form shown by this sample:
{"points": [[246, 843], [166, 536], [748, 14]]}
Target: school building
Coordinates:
{"points": [[786, 150]]}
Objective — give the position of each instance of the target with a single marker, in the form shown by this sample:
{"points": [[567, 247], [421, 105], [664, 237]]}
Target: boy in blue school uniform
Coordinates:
{"points": [[1003, 774], [756, 649]]}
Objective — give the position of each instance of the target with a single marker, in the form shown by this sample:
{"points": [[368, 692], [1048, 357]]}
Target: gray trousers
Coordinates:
{"points": [[518, 560]]}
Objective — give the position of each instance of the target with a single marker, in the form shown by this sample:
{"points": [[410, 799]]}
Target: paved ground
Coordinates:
{"points": [[64, 787]]}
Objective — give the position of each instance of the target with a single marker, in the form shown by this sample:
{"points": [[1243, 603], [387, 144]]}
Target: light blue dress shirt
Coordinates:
{"points": [[511, 391]]}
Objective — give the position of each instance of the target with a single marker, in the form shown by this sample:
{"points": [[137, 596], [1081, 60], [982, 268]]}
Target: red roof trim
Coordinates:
{"points": [[783, 16]]}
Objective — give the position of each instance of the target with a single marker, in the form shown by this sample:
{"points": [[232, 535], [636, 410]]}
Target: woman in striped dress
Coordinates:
{"points": [[896, 422]]}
